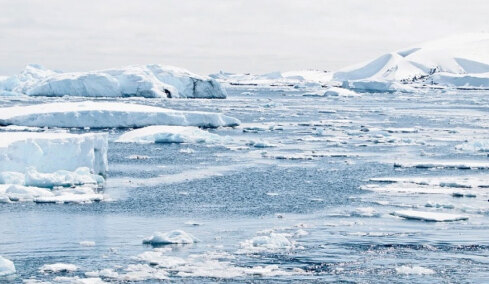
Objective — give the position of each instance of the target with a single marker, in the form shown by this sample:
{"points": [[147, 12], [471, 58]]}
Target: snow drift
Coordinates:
{"points": [[140, 81], [458, 61], [107, 115]]}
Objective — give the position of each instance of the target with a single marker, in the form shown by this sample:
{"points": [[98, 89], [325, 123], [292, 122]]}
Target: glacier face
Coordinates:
{"points": [[151, 81]]}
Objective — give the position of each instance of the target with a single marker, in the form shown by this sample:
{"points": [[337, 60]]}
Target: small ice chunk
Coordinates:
{"points": [[87, 243], [58, 268], [172, 237], [272, 242]]}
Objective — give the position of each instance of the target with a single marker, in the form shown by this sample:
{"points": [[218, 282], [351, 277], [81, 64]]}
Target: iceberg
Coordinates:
{"points": [[107, 115], [151, 81], [429, 216], [32, 153], [460, 61], [296, 79], [7, 267], [169, 134]]}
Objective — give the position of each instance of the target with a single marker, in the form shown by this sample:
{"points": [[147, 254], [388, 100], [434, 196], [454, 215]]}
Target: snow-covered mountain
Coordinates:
{"points": [[140, 81], [457, 61]]}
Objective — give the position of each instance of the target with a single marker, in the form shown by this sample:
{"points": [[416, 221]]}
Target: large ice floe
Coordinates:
{"points": [[140, 81], [459, 61], [7, 267], [52, 167], [107, 115], [170, 134]]}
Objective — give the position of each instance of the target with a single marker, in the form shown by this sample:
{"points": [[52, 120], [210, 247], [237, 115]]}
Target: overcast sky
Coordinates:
{"points": [[210, 35]]}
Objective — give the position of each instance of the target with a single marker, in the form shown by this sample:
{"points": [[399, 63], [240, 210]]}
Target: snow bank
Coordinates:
{"points": [[458, 61], [107, 115], [139, 80], [429, 216], [172, 237], [7, 267], [170, 134], [33, 153]]}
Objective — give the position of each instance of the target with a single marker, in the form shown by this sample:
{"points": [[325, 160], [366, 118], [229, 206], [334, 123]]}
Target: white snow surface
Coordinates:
{"points": [[169, 134], [33, 153], [429, 216], [107, 115], [172, 237], [457, 61], [139, 80], [7, 267]]}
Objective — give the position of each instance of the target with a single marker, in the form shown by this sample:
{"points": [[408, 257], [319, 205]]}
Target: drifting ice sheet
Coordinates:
{"points": [[429, 216], [107, 115]]}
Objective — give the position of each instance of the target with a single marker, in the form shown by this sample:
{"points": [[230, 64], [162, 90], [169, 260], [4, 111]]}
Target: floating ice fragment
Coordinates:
{"points": [[172, 237], [429, 216], [58, 268], [7, 267]]}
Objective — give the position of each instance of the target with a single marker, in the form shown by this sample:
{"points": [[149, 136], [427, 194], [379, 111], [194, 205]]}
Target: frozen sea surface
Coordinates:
{"points": [[305, 190]]}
